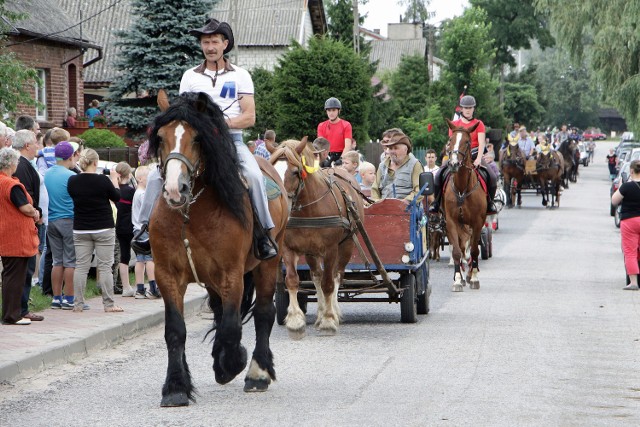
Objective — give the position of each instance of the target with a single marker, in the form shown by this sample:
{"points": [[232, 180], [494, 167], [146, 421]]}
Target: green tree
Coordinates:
{"points": [[568, 90], [521, 103], [513, 25], [607, 33], [15, 77], [410, 86], [265, 105], [416, 11], [468, 50], [306, 77], [154, 53]]}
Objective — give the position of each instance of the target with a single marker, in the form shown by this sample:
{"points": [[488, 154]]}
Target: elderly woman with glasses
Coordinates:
{"points": [[18, 237]]}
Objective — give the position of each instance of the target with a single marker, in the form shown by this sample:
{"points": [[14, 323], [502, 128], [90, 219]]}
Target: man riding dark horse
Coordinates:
{"points": [[478, 141]]}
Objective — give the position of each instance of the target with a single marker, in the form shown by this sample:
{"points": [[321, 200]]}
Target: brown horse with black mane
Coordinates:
{"points": [[549, 171], [512, 167], [201, 231], [465, 204], [321, 227]]}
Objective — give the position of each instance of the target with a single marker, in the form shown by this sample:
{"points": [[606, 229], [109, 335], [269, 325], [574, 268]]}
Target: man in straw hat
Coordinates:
{"points": [[398, 176]]}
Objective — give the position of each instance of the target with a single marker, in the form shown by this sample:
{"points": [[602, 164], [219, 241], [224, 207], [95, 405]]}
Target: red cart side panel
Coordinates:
{"points": [[387, 224]]}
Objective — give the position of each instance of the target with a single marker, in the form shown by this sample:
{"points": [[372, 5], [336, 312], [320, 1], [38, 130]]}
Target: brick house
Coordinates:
{"points": [[48, 42]]}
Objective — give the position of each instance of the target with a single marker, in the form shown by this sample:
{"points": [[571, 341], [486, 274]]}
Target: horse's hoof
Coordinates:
{"points": [[175, 399], [253, 385], [323, 332], [457, 287], [475, 284], [297, 334]]}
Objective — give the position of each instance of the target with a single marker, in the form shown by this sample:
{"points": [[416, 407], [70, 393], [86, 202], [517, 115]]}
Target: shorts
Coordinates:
{"points": [[60, 232], [143, 258]]}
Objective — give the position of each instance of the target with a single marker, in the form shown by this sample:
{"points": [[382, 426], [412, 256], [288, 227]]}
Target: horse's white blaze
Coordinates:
{"points": [[456, 147], [281, 167], [174, 167]]}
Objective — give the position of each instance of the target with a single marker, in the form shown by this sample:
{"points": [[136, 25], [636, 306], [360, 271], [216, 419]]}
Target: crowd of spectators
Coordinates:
{"points": [[57, 204]]}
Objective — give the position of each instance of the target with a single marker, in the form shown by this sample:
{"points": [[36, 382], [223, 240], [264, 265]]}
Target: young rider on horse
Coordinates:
{"points": [[231, 88], [468, 105]]}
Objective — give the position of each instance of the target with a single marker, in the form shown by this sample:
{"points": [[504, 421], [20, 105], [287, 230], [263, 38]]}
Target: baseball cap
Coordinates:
{"points": [[65, 149]]}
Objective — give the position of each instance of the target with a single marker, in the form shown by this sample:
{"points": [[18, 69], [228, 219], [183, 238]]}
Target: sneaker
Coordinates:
{"points": [[153, 295], [56, 304], [23, 321], [141, 295], [131, 292], [66, 305]]}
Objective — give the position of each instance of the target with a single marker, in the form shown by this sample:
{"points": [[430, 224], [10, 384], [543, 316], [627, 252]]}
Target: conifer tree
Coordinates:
{"points": [[16, 78], [153, 54]]}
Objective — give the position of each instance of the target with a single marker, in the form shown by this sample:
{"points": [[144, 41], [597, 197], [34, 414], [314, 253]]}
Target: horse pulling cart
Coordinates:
{"points": [[389, 265]]}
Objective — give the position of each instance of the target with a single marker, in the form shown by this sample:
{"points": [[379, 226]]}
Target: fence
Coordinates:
{"points": [[126, 154]]}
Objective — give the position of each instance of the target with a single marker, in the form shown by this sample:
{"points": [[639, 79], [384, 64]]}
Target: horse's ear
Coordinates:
{"points": [[163, 100], [301, 145], [472, 128], [450, 124], [202, 102], [270, 147]]}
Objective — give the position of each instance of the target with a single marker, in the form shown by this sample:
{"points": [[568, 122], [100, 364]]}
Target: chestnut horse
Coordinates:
{"points": [[465, 204], [512, 167], [320, 227], [549, 170], [202, 231]]}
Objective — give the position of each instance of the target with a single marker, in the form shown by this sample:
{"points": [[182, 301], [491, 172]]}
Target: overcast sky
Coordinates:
{"points": [[382, 12]]}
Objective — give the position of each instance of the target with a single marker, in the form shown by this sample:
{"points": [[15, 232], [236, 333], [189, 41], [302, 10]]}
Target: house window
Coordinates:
{"points": [[41, 94]]}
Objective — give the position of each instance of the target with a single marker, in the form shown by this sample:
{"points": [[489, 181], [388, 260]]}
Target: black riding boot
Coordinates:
{"points": [[492, 186], [434, 208], [264, 247]]}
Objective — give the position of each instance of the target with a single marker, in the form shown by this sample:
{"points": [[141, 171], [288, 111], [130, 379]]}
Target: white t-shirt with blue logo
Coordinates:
{"points": [[230, 86]]}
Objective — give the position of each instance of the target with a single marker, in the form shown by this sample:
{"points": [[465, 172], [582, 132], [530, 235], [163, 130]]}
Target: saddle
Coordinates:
{"points": [[481, 172]]}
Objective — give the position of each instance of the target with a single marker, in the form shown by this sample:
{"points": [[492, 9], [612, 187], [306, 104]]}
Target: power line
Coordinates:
{"points": [[69, 28]]}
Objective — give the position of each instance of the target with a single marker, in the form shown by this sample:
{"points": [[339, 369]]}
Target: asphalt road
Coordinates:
{"points": [[549, 339]]}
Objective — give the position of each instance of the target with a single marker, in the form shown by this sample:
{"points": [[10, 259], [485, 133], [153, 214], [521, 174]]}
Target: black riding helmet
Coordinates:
{"points": [[467, 101]]}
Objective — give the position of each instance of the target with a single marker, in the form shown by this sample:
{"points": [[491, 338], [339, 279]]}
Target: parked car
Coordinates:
{"points": [[633, 155], [620, 179], [584, 156], [627, 136], [626, 145], [594, 134]]}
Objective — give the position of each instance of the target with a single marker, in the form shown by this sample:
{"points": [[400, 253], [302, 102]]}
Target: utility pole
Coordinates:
{"points": [[431, 45], [356, 27], [234, 17]]}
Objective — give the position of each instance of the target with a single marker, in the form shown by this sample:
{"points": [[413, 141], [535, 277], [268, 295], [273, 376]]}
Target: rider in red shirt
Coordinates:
{"points": [[336, 130], [478, 141]]}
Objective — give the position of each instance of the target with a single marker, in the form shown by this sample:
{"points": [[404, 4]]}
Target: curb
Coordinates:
{"points": [[82, 345]]}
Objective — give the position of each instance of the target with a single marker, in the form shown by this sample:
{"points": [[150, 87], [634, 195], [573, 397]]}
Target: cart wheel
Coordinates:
{"points": [[408, 309], [423, 299], [484, 250], [282, 303]]}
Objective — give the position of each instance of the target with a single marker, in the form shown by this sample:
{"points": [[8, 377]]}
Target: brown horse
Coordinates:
{"points": [[320, 228], [201, 231], [437, 229], [568, 149], [549, 169], [464, 203], [512, 166]]}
